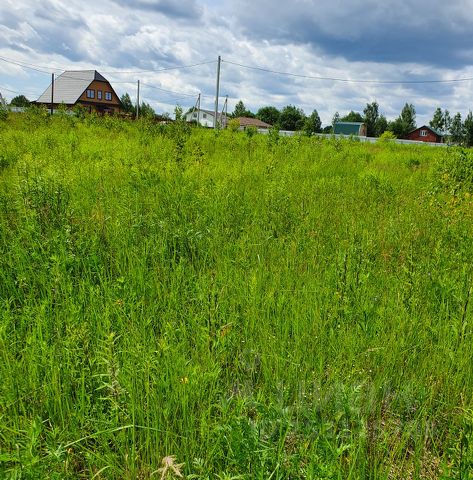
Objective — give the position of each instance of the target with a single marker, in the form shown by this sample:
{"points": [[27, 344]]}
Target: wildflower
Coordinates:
{"points": [[169, 467], [184, 380]]}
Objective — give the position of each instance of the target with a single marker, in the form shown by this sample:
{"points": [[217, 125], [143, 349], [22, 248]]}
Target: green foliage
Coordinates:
{"points": [[146, 110], [20, 101], [233, 125], [241, 111], [371, 116], [387, 136], [376, 124], [3, 109], [127, 104], [312, 124], [291, 118], [231, 306], [251, 131], [468, 130], [405, 123], [269, 115], [455, 172], [457, 130], [352, 117]]}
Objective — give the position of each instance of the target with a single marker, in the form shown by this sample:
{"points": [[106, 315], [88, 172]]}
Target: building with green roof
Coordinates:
{"points": [[350, 128]]}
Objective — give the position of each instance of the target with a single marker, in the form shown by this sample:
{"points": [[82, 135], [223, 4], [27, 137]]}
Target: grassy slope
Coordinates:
{"points": [[297, 309]]}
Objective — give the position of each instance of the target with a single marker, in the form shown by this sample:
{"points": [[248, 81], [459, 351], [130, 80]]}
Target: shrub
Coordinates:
{"points": [[387, 136]]}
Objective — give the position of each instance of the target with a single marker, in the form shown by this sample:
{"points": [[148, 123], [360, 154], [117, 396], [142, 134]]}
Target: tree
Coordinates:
{"points": [[371, 113], [3, 108], [405, 123], [335, 119], [127, 104], [468, 130], [376, 124], [408, 117], [269, 115], [146, 110], [241, 111], [352, 117], [381, 125], [447, 120], [291, 118], [457, 132], [20, 101], [441, 121], [312, 123]]}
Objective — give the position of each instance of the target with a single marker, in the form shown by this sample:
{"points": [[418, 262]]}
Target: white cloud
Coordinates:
{"points": [[328, 38]]}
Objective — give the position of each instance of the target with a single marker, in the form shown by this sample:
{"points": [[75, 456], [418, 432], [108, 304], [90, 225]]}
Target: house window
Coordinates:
{"points": [[108, 95], [194, 115], [423, 133], [204, 115], [99, 94], [90, 93]]}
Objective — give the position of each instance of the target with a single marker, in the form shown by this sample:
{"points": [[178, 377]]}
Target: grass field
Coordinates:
{"points": [[248, 306]]}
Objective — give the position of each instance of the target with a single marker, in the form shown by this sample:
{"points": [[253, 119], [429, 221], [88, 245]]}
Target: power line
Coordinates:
{"points": [[19, 93], [170, 91], [164, 69], [346, 80], [42, 69], [28, 65]]}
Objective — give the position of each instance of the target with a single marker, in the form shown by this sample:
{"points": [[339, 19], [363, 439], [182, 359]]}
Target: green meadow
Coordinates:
{"points": [[178, 302]]}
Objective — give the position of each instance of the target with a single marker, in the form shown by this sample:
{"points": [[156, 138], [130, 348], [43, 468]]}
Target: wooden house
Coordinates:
{"points": [[86, 88], [425, 134]]}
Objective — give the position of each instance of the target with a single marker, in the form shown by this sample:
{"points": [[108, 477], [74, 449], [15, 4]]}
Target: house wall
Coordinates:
{"points": [[431, 137], [100, 105], [206, 119]]}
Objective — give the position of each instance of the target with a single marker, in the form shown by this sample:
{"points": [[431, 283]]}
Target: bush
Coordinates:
{"points": [[387, 136], [233, 125], [454, 173]]}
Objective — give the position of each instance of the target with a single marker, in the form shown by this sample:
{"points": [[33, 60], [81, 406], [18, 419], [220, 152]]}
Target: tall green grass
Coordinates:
{"points": [[258, 307]]}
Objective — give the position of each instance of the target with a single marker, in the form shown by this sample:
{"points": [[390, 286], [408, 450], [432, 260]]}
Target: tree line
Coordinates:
{"points": [[454, 128]]}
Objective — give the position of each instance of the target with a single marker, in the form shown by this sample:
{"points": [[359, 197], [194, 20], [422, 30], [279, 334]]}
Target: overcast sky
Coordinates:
{"points": [[361, 41]]}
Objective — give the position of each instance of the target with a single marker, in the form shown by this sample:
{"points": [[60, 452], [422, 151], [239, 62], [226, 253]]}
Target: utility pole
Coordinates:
{"points": [[138, 101], [196, 105], [52, 93], [224, 110], [218, 91], [198, 110]]}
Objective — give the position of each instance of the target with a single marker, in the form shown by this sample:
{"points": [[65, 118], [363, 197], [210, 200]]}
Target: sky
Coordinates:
{"points": [[327, 55]]}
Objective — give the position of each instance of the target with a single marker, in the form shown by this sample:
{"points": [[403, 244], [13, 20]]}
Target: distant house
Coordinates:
{"points": [[350, 128], [246, 122], [206, 118], [82, 87], [425, 134]]}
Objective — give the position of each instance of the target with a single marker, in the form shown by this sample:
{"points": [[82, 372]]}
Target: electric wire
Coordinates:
{"points": [[18, 93], [346, 80]]}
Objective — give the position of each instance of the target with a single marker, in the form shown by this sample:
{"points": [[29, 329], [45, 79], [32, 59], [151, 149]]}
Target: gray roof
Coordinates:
{"points": [[70, 85]]}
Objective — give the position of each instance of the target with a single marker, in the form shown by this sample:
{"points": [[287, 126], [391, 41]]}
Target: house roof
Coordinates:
{"points": [[254, 122], [70, 85], [347, 128], [424, 127]]}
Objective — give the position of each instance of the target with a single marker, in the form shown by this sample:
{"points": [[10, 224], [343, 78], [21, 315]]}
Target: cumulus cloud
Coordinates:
{"points": [[188, 9], [366, 30], [318, 38]]}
